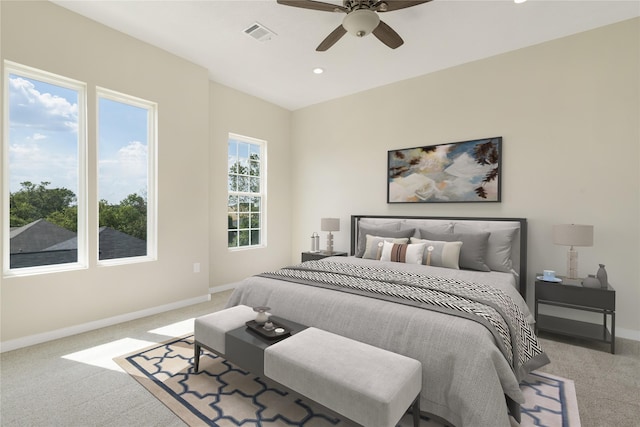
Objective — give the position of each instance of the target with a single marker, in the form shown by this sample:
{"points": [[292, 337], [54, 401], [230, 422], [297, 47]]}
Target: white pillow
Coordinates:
{"points": [[409, 254], [440, 254]]}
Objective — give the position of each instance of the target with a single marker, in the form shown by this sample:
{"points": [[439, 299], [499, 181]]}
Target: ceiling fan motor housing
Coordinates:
{"points": [[361, 22]]}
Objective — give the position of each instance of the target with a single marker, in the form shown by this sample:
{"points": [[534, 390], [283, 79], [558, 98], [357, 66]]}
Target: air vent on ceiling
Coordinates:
{"points": [[259, 32]]}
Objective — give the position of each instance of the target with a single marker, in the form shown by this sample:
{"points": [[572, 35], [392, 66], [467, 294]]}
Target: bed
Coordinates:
{"points": [[442, 314]]}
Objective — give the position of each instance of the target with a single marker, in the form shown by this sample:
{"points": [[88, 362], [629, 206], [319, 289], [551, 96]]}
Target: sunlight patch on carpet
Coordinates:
{"points": [[102, 355], [177, 329]]}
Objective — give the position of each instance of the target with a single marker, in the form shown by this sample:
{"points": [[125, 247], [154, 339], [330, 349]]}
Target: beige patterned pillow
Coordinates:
{"points": [[440, 254]]}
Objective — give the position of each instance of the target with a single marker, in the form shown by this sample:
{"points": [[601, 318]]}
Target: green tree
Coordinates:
{"points": [[34, 202], [129, 217], [66, 218], [57, 205]]}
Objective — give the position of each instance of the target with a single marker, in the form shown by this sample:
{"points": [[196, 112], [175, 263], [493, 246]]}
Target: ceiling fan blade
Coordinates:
{"points": [[397, 4], [388, 36], [315, 5], [331, 39]]}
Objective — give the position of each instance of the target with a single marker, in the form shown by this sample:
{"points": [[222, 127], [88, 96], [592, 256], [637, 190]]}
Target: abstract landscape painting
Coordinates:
{"points": [[467, 171]]}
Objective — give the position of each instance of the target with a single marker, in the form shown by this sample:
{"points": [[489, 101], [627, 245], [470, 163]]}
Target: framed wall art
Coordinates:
{"points": [[467, 171]]}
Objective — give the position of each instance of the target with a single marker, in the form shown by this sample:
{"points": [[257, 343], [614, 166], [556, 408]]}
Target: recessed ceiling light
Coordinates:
{"points": [[318, 70], [519, 1]]}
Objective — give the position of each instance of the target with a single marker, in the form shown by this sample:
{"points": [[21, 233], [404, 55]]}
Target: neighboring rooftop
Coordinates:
{"points": [[43, 243]]}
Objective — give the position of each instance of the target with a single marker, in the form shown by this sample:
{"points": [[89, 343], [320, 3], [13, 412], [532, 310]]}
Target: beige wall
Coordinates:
{"points": [[236, 112], [568, 112], [45, 36]]}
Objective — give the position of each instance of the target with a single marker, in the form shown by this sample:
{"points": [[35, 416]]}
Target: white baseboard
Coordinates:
{"points": [[223, 288], [90, 326], [629, 334]]}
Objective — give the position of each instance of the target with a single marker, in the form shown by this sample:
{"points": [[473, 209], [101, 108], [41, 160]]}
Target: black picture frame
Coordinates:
{"points": [[455, 172]]}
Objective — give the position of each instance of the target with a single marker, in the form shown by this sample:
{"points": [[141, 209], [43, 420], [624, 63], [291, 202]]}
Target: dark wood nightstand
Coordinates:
{"points": [[313, 256], [573, 295]]}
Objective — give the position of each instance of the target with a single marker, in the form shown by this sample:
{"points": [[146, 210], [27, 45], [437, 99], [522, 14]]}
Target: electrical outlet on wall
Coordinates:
{"points": [[196, 267]]}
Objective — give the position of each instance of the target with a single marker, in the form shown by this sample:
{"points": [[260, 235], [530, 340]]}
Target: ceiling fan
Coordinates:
{"points": [[361, 19]]}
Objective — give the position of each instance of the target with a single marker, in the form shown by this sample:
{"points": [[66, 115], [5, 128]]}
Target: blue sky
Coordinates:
{"points": [[43, 138], [122, 150]]}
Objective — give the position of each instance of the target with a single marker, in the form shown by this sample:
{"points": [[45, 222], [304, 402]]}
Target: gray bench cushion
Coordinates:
{"points": [[210, 329], [369, 385]]}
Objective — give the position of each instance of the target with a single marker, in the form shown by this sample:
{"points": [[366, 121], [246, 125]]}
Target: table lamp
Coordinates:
{"points": [[330, 224], [572, 235]]}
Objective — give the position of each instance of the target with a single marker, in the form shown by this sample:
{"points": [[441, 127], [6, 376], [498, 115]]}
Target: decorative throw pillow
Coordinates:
{"points": [[498, 256], [440, 254], [373, 249], [407, 253], [474, 247], [374, 230], [382, 232]]}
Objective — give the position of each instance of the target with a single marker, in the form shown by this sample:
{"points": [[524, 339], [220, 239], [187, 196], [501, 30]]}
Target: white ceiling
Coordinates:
{"points": [[437, 35]]}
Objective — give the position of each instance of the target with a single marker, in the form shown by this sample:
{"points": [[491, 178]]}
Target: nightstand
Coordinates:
{"points": [[313, 256], [573, 295]]}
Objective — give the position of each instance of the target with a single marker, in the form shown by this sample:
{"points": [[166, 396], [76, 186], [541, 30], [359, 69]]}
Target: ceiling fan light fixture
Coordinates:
{"points": [[361, 22]]}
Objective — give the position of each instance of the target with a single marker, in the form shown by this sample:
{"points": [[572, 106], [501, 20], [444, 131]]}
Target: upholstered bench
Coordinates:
{"points": [[209, 331], [368, 385]]}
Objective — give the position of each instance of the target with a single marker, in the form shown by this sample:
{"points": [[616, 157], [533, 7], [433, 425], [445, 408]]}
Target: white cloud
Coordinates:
{"points": [[38, 136], [31, 108], [124, 174], [133, 158], [30, 162], [23, 151]]}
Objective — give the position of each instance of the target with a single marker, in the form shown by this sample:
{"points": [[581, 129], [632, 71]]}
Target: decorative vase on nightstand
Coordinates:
{"points": [[591, 281], [602, 276]]}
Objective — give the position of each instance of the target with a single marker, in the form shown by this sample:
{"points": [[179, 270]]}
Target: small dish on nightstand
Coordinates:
{"points": [[549, 279]]}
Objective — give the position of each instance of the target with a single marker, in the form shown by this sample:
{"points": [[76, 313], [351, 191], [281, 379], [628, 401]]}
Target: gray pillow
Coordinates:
{"points": [[446, 227], [498, 256], [375, 230], [474, 247]]}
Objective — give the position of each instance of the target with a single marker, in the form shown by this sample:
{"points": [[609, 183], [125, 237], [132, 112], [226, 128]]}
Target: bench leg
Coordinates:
{"points": [[196, 356], [415, 409]]}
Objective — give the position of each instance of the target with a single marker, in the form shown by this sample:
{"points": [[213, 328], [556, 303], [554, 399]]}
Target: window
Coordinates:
{"points": [[45, 174], [44, 171], [126, 165], [247, 192]]}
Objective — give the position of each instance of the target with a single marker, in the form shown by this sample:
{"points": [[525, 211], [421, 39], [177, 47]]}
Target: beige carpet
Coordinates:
{"points": [[221, 394]]}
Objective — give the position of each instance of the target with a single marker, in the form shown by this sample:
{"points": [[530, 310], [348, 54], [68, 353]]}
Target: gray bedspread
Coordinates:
{"points": [[465, 375]]}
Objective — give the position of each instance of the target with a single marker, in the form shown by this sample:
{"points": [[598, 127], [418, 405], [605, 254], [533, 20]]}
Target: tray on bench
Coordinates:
{"points": [[259, 329]]}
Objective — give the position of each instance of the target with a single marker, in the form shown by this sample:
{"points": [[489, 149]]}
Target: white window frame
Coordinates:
{"points": [[263, 190], [152, 178], [81, 194]]}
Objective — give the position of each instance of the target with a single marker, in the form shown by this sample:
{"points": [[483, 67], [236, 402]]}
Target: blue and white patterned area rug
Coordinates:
{"points": [[221, 394]]}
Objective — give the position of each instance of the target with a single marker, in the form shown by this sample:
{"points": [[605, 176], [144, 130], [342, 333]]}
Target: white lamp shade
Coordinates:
{"points": [[361, 22], [573, 235], [330, 224]]}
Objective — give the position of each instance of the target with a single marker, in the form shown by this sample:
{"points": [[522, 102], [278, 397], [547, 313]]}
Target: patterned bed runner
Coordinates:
{"points": [[481, 303]]}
